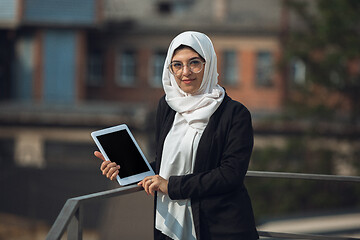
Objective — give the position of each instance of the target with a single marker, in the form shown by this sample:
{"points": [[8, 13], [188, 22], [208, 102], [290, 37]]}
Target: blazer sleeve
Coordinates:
{"points": [[229, 174]]}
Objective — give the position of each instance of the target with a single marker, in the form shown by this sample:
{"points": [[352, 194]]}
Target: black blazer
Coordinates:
{"points": [[220, 203]]}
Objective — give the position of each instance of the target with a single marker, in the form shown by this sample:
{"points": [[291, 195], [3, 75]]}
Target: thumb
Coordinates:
{"points": [[99, 155]]}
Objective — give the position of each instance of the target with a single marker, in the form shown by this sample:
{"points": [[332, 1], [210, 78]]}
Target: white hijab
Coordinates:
{"points": [[174, 218]]}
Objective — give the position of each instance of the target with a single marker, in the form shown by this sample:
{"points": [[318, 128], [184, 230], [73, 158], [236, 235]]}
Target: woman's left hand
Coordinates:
{"points": [[154, 183]]}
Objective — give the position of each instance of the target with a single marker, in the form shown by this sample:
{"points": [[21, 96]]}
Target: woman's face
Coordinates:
{"points": [[188, 81]]}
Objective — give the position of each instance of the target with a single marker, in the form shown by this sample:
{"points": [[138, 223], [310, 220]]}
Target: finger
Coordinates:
{"points": [[104, 165], [155, 186], [147, 179], [110, 169], [146, 185], [99, 155], [152, 188], [140, 183], [107, 167], [113, 176]]}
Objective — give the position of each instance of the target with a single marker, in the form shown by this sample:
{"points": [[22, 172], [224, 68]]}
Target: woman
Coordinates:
{"points": [[204, 143]]}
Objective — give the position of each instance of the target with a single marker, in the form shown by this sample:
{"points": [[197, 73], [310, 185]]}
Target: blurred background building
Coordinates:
{"points": [[70, 67]]}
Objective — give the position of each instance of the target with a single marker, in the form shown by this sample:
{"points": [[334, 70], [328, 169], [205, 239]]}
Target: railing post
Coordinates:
{"points": [[72, 212], [63, 219], [74, 229]]}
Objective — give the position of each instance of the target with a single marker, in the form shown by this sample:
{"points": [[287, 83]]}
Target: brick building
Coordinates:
{"points": [[65, 52], [132, 45], [89, 64]]}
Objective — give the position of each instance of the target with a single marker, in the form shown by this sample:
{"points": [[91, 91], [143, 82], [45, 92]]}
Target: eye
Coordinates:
{"points": [[176, 65], [195, 62]]}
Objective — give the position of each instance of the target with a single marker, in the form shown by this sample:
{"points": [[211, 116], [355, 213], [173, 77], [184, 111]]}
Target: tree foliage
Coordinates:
{"points": [[329, 44], [273, 198]]}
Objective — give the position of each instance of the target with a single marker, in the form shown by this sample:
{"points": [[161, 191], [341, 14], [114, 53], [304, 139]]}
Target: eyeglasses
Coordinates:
{"points": [[195, 66]]}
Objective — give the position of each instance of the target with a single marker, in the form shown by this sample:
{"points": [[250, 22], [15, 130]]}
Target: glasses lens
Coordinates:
{"points": [[176, 68], [196, 66]]}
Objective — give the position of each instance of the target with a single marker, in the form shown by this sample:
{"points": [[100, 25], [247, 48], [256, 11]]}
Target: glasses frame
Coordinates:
{"points": [[182, 68]]}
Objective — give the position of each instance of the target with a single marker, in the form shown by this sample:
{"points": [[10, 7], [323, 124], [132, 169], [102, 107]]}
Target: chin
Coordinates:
{"points": [[192, 91]]}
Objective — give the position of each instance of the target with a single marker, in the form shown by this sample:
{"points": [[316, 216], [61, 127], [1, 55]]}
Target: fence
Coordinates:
{"points": [[70, 217]]}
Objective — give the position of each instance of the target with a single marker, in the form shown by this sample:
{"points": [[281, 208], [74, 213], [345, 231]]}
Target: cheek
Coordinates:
{"points": [[178, 81], [200, 78]]}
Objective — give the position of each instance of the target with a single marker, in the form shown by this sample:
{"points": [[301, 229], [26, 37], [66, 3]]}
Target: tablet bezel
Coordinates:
{"points": [[130, 179]]}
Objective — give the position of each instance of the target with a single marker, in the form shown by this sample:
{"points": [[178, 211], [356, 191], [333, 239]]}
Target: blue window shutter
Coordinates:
{"points": [[8, 10], [59, 66], [60, 11]]}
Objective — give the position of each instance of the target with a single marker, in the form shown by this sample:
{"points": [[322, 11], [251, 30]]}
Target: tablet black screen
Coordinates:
{"points": [[120, 148]]}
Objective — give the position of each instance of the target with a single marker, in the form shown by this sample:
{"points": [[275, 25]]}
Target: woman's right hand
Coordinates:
{"points": [[108, 168]]}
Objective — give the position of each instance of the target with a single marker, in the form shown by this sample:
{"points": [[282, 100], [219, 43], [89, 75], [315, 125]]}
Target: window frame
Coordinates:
{"points": [[230, 72], [95, 68], [297, 72], [126, 74], [158, 58], [264, 68]]}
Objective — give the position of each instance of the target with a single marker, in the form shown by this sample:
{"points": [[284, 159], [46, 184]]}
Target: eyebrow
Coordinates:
{"points": [[199, 58]]}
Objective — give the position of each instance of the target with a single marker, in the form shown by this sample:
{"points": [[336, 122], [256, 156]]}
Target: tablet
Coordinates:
{"points": [[117, 144]]}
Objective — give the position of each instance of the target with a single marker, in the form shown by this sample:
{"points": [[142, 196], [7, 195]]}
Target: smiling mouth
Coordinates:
{"points": [[188, 80]]}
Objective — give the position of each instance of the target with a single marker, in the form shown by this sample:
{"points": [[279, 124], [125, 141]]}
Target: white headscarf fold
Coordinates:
{"points": [[196, 108], [193, 111]]}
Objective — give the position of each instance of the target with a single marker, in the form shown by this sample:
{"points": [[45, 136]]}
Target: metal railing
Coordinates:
{"points": [[70, 217]]}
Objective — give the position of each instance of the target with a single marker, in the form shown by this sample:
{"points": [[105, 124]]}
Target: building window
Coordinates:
{"points": [[164, 7], [297, 72], [182, 6], [95, 68], [23, 68], [264, 69], [158, 61], [126, 68], [174, 6], [230, 68]]}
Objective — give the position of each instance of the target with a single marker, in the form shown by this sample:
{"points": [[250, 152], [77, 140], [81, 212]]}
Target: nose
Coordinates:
{"points": [[186, 70]]}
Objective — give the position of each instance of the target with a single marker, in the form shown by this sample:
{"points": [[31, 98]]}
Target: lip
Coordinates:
{"points": [[187, 81]]}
